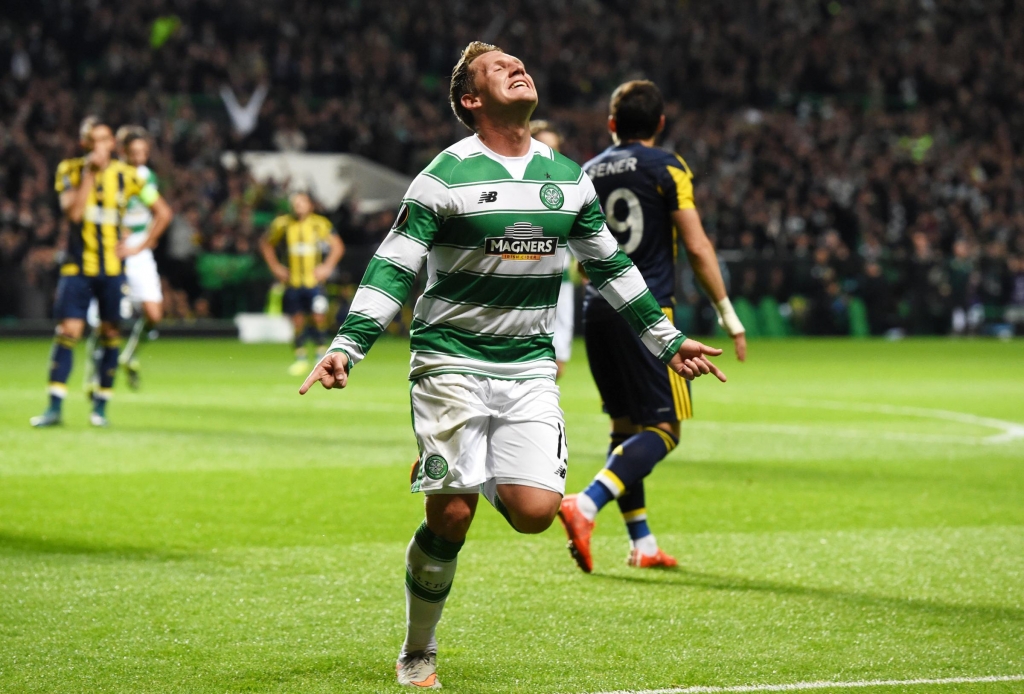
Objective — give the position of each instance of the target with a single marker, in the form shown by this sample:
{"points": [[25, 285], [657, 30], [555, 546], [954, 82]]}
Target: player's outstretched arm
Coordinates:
{"points": [[704, 261], [692, 360], [331, 372], [621, 284]]}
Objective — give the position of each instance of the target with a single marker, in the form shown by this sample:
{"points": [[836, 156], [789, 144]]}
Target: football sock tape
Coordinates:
{"points": [[629, 463]]}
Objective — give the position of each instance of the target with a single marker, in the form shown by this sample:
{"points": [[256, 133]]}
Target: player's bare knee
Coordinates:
{"points": [[624, 426], [154, 312], [531, 510], [534, 521], [449, 516], [669, 427], [109, 330], [71, 328]]}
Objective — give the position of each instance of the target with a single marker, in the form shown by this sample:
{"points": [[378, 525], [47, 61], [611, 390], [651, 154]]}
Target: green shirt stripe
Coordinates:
{"points": [[360, 329], [601, 272], [394, 280], [447, 339], [496, 291]]}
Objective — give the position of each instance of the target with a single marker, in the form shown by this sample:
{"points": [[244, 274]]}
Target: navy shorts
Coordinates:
{"points": [[303, 300], [74, 292], [633, 382]]}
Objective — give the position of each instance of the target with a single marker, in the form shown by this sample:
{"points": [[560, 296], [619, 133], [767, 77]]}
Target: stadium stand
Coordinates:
{"points": [[860, 165]]}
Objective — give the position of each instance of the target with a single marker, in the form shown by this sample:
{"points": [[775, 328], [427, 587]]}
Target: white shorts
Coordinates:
{"points": [[473, 430], [143, 279]]}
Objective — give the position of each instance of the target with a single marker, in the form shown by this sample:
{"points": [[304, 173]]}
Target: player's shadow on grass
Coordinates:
{"points": [[313, 673], [24, 544], [699, 579]]}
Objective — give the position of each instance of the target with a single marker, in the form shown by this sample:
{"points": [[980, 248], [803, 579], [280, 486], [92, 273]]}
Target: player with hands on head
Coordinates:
{"points": [[304, 236], [493, 217], [94, 191], [647, 195]]}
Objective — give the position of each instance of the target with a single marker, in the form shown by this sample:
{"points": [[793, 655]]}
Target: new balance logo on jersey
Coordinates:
{"points": [[522, 241], [560, 472], [488, 196]]}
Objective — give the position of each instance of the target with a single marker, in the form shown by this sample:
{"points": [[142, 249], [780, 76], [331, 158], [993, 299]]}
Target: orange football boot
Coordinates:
{"points": [[579, 530], [660, 560]]}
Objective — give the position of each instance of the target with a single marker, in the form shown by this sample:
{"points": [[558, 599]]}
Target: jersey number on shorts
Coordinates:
{"points": [[633, 225]]}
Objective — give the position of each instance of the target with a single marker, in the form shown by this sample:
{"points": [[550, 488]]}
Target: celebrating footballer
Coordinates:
{"points": [[493, 217]]}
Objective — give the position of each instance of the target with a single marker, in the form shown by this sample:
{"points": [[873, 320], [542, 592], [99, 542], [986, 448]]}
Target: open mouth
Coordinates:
{"points": [[519, 83]]}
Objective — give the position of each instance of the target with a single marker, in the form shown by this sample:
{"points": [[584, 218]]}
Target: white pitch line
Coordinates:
{"points": [[1011, 431], [801, 686]]}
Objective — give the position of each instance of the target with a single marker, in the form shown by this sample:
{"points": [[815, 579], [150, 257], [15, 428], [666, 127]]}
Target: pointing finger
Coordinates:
{"points": [[312, 378], [719, 374]]}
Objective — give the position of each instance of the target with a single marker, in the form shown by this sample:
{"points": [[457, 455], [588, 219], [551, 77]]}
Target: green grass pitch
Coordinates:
{"points": [[841, 511]]}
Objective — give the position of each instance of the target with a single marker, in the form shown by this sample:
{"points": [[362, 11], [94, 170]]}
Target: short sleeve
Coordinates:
{"points": [[276, 231], [676, 182], [325, 229], [140, 186], [68, 176]]}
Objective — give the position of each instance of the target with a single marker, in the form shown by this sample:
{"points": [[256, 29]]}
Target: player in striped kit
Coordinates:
{"points": [[493, 217], [144, 292]]}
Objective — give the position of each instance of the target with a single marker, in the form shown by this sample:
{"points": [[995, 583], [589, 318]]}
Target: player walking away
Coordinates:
{"points": [[565, 313], [647, 194], [94, 191], [493, 216], [305, 234]]}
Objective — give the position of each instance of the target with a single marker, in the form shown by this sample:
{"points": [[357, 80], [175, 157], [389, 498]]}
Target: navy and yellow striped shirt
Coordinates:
{"points": [[639, 188], [304, 240], [92, 245]]}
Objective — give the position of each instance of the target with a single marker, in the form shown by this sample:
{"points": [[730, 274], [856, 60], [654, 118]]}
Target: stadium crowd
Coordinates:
{"points": [[868, 151]]}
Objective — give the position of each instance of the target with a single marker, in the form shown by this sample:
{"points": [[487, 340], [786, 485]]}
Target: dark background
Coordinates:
{"points": [[860, 166]]}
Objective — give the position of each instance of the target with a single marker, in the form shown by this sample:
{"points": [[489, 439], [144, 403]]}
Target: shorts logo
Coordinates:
{"points": [[552, 197], [522, 241], [435, 467]]}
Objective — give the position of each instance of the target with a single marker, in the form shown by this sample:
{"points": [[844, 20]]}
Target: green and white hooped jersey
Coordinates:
{"points": [[137, 216], [494, 232]]}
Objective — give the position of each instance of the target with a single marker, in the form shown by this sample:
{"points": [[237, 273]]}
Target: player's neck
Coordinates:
{"points": [[506, 139], [649, 142]]}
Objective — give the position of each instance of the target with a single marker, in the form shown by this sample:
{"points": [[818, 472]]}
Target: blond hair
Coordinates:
{"points": [[462, 80], [86, 127], [542, 126], [127, 134]]}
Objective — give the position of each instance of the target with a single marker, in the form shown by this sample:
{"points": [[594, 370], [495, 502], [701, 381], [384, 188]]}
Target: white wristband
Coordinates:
{"points": [[727, 318]]}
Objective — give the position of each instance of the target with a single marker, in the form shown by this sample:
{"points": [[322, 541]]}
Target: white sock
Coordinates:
{"points": [[429, 569], [586, 506], [647, 545]]}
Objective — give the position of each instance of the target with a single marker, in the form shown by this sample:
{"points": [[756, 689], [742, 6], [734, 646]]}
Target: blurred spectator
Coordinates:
{"points": [[841, 150]]}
